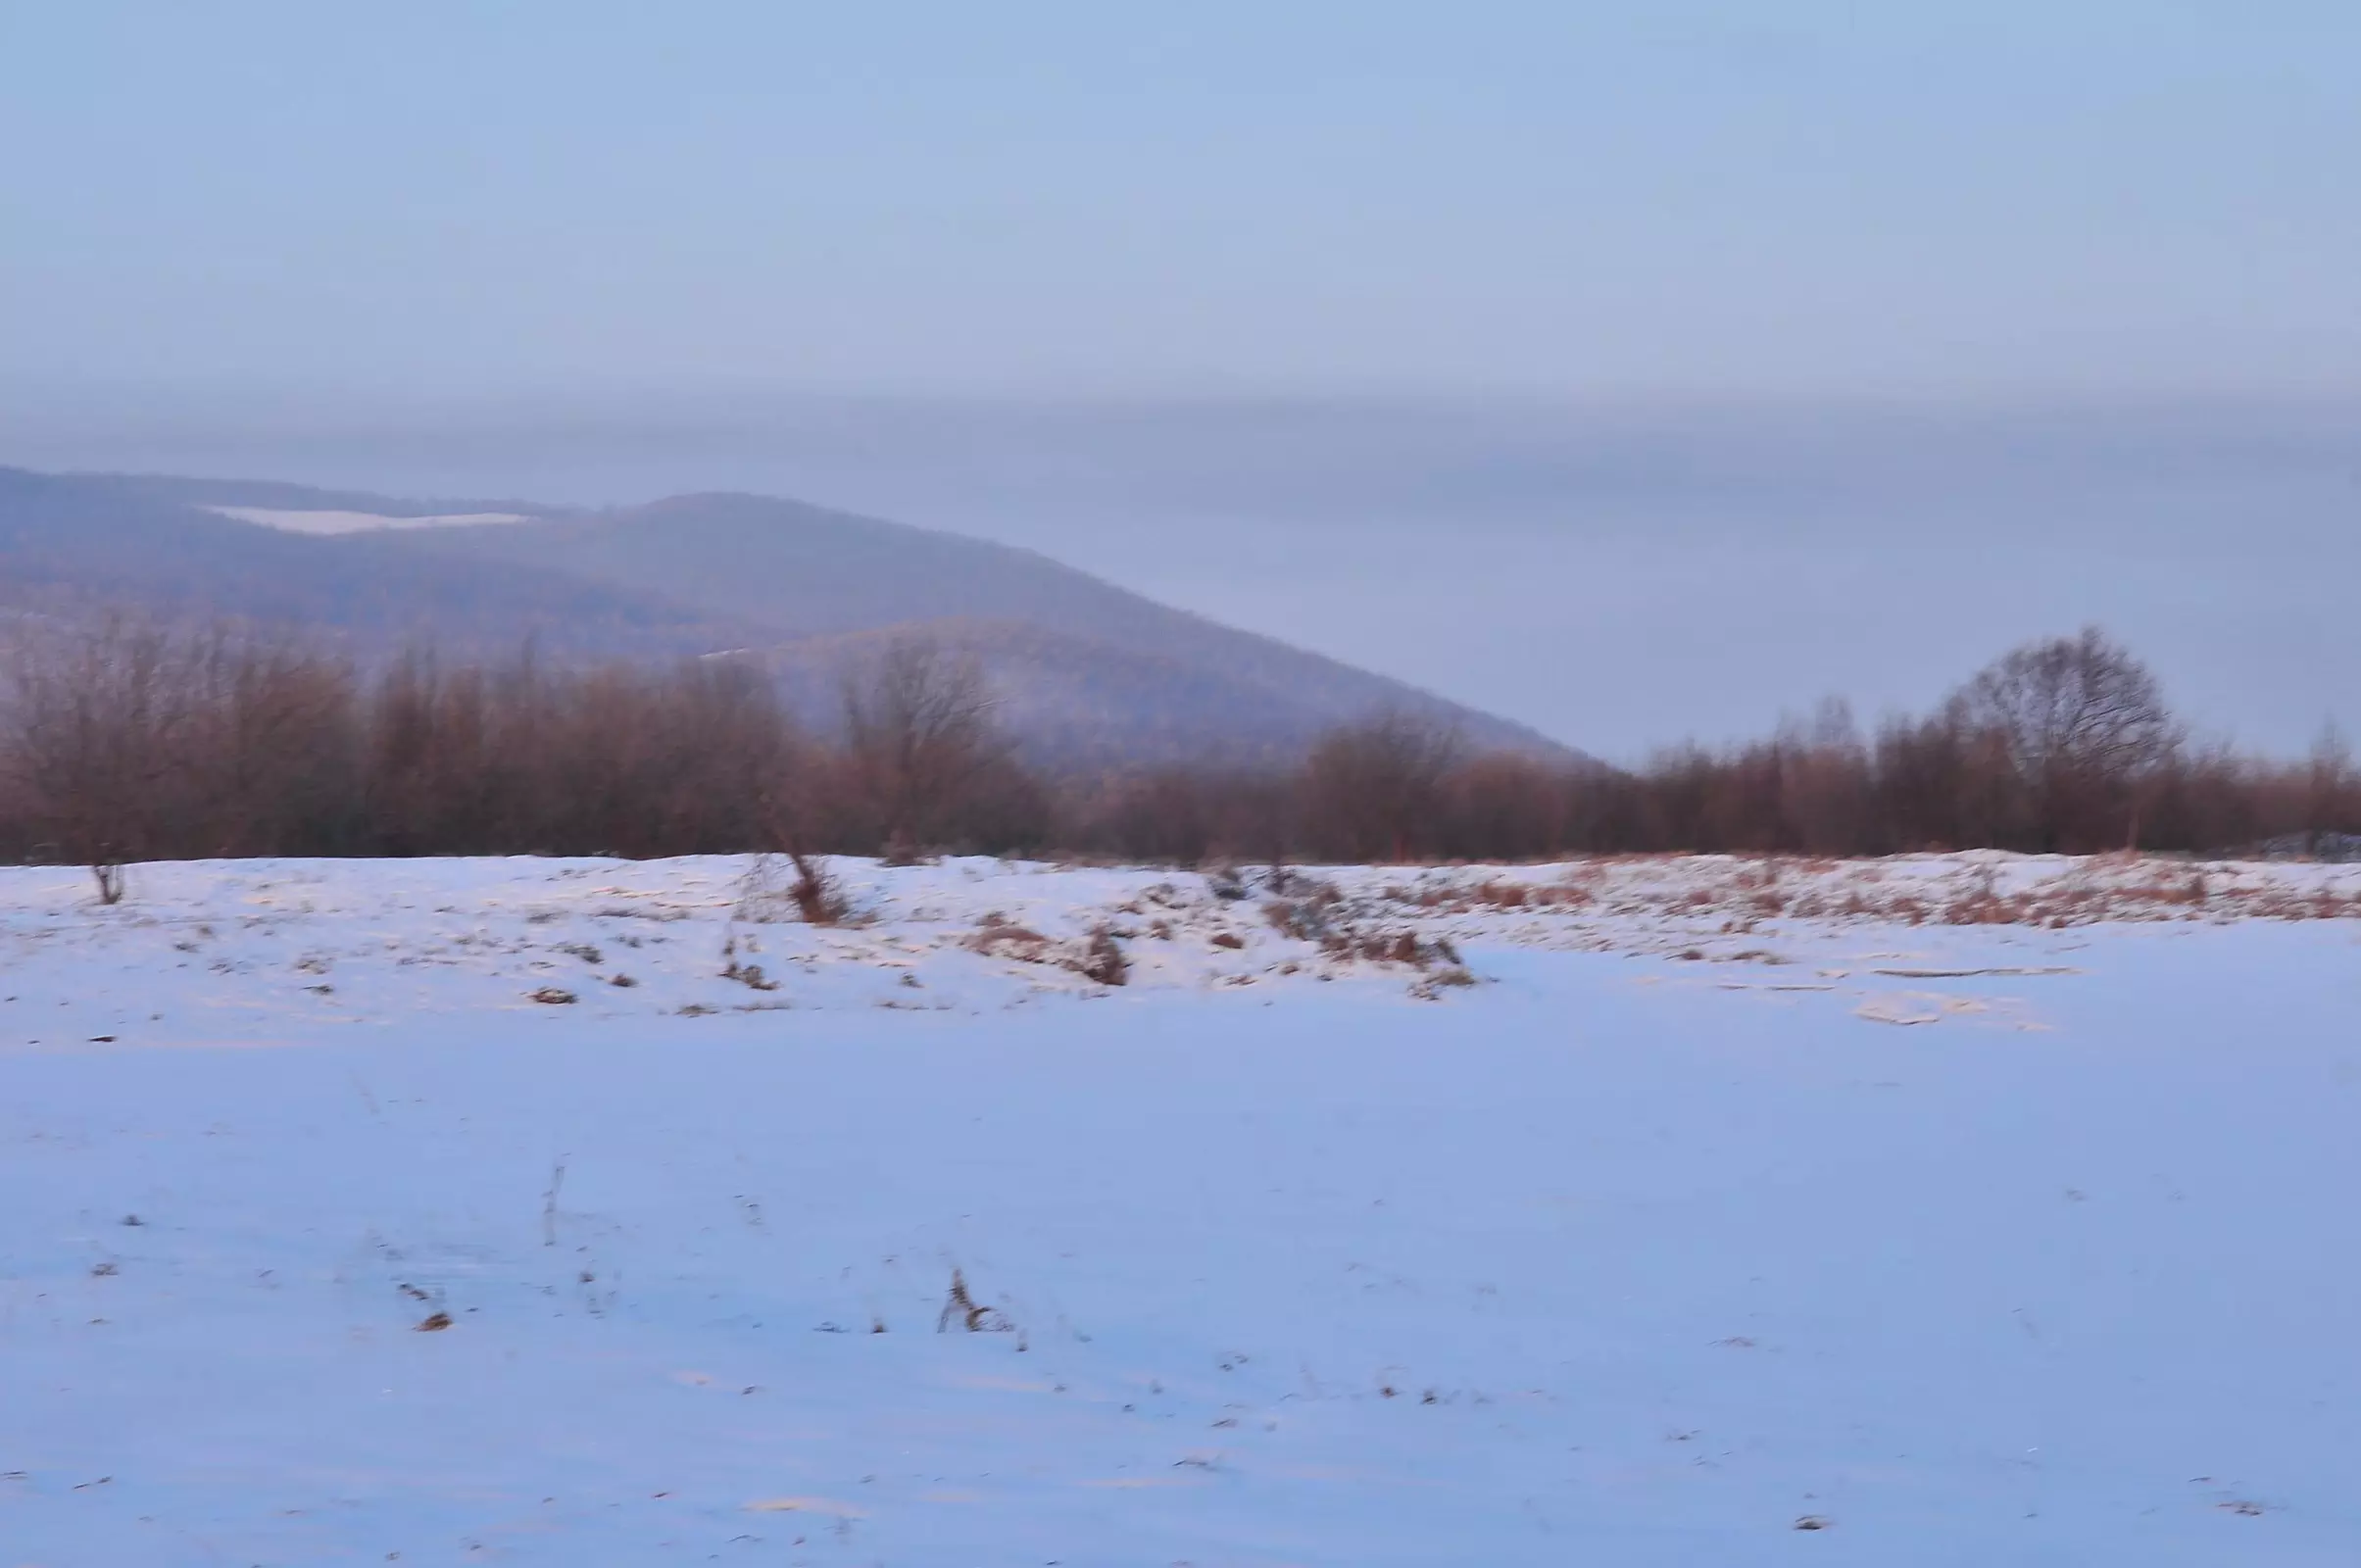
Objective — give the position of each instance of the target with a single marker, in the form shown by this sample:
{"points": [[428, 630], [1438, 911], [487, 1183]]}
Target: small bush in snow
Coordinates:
{"points": [[1103, 960], [961, 1311]]}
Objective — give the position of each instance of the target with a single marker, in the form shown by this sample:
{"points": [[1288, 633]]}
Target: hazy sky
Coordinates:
{"points": [[1777, 194], [1632, 370]]}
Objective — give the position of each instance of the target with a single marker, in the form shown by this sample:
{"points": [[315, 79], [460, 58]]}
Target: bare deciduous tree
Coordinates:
{"points": [[2083, 725], [92, 725], [1823, 798], [919, 739], [1374, 788], [2330, 789], [1499, 806]]}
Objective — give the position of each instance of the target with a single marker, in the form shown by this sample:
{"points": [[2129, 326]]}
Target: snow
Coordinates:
{"points": [[291, 520], [1960, 1235]]}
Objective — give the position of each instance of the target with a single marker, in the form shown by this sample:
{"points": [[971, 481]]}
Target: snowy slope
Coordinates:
{"points": [[1662, 1239]]}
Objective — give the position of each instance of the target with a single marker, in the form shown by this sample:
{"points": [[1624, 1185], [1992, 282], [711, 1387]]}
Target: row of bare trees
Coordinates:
{"points": [[144, 742], [2063, 746], [141, 742]]}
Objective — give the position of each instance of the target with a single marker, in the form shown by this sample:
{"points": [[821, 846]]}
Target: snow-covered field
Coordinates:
{"points": [[1947, 1210]]}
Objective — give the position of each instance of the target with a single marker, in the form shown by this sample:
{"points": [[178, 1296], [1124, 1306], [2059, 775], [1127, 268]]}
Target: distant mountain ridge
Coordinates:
{"points": [[1090, 674]]}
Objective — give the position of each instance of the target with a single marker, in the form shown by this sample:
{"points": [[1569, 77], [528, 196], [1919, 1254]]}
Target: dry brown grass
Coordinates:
{"points": [[1741, 893]]}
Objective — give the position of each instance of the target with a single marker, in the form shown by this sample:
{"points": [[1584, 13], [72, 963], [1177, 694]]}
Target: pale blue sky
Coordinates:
{"points": [[1320, 194]]}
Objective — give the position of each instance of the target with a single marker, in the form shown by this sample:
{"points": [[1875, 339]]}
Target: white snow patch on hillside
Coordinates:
{"points": [[908, 1243], [338, 523]]}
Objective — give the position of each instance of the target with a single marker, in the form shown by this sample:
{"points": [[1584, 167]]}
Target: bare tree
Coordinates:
{"points": [[2330, 788], [134, 739], [270, 732], [1503, 806], [137, 740], [2082, 726], [1375, 789], [93, 722], [920, 738], [1823, 783]]}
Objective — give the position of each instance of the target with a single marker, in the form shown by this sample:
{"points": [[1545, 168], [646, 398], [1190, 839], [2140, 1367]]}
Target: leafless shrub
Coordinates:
{"points": [[1351, 931], [749, 976], [1307, 910], [961, 1310], [818, 892], [1400, 947], [1430, 987], [1103, 960], [793, 885], [998, 936]]}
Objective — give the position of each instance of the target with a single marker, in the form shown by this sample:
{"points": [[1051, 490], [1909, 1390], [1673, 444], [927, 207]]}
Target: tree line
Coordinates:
{"points": [[137, 741]]}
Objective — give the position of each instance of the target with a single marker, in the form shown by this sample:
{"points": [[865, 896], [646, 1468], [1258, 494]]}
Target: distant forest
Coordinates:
{"points": [[140, 740]]}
